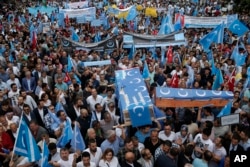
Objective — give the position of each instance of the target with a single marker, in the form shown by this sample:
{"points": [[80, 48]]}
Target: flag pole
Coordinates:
{"points": [[75, 136], [11, 159], [42, 163]]}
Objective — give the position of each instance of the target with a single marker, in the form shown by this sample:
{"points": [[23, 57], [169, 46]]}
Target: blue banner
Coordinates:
{"points": [[97, 63]]}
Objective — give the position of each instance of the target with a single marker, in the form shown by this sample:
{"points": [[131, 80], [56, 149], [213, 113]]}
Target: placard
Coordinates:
{"points": [[230, 119]]}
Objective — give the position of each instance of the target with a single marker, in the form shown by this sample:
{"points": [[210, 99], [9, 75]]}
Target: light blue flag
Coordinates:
{"points": [[55, 122], [218, 80], [140, 115], [77, 142], [158, 113], [66, 135], [226, 110], [59, 107], [238, 58], [237, 27], [45, 156], [75, 37], [121, 21], [145, 72], [216, 36], [70, 64], [77, 79], [163, 24], [147, 22], [213, 68], [131, 14], [163, 56], [135, 24], [25, 143]]}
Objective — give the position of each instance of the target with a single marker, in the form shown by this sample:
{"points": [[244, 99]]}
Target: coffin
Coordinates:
{"points": [[174, 97]]}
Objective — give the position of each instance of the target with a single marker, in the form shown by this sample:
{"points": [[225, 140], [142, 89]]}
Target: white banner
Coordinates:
{"points": [[76, 5], [208, 22], [73, 13], [97, 63], [230, 119]]}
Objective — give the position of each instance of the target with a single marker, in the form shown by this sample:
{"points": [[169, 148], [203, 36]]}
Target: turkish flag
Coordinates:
{"points": [[67, 21], [170, 54], [67, 78], [231, 80], [181, 18], [175, 81], [34, 40]]}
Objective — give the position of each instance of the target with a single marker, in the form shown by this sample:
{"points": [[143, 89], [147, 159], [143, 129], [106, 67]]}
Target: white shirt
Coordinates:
{"points": [[80, 164], [98, 155], [31, 102], [77, 111], [164, 137], [113, 163], [40, 94], [91, 101], [16, 81], [203, 144], [221, 152], [68, 162]]}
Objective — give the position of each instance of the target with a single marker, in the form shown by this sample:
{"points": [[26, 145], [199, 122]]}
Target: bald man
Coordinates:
{"points": [[130, 160]]}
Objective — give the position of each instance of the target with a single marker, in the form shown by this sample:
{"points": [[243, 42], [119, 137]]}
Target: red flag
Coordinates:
{"points": [[231, 80], [67, 21], [170, 54], [181, 18], [175, 81], [34, 40], [67, 78]]}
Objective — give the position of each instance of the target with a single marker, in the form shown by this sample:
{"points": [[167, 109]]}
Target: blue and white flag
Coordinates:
{"points": [[145, 72], [237, 57], [218, 80], [216, 36], [59, 107], [45, 156], [66, 135], [25, 143], [132, 13], [75, 36], [226, 110], [132, 52], [77, 142], [237, 27], [55, 122], [140, 115], [70, 64]]}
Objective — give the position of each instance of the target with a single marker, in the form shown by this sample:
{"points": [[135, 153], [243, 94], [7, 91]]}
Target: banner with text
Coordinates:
{"points": [[76, 5], [74, 13], [207, 22]]}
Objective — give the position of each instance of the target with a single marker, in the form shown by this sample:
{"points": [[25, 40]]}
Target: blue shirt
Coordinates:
{"points": [[141, 137], [115, 146], [199, 163]]}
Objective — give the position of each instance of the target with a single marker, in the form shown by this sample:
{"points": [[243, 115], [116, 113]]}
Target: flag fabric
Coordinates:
{"points": [[75, 37], [177, 25], [226, 110], [164, 26], [238, 58], [218, 80], [34, 40], [231, 80], [67, 78], [237, 27], [59, 107], [66, 135], [67, 21], [140, 115], [55, 122], [163, 57], [158, 113], [170, 54], [145, 72], [77, 142], [70, 64], [25, 144], [131, 14], [175, 81], [216, 36], [121, 21], [213, 68], [45, 156], [77, 79], [147, 22]]}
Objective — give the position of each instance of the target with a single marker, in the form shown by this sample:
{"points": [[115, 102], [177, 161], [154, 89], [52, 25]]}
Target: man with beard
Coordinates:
{"points": [[94, 151]]}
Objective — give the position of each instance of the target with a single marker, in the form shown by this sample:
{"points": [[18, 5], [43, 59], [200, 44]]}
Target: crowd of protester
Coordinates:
{"points": [[32, 82]]}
